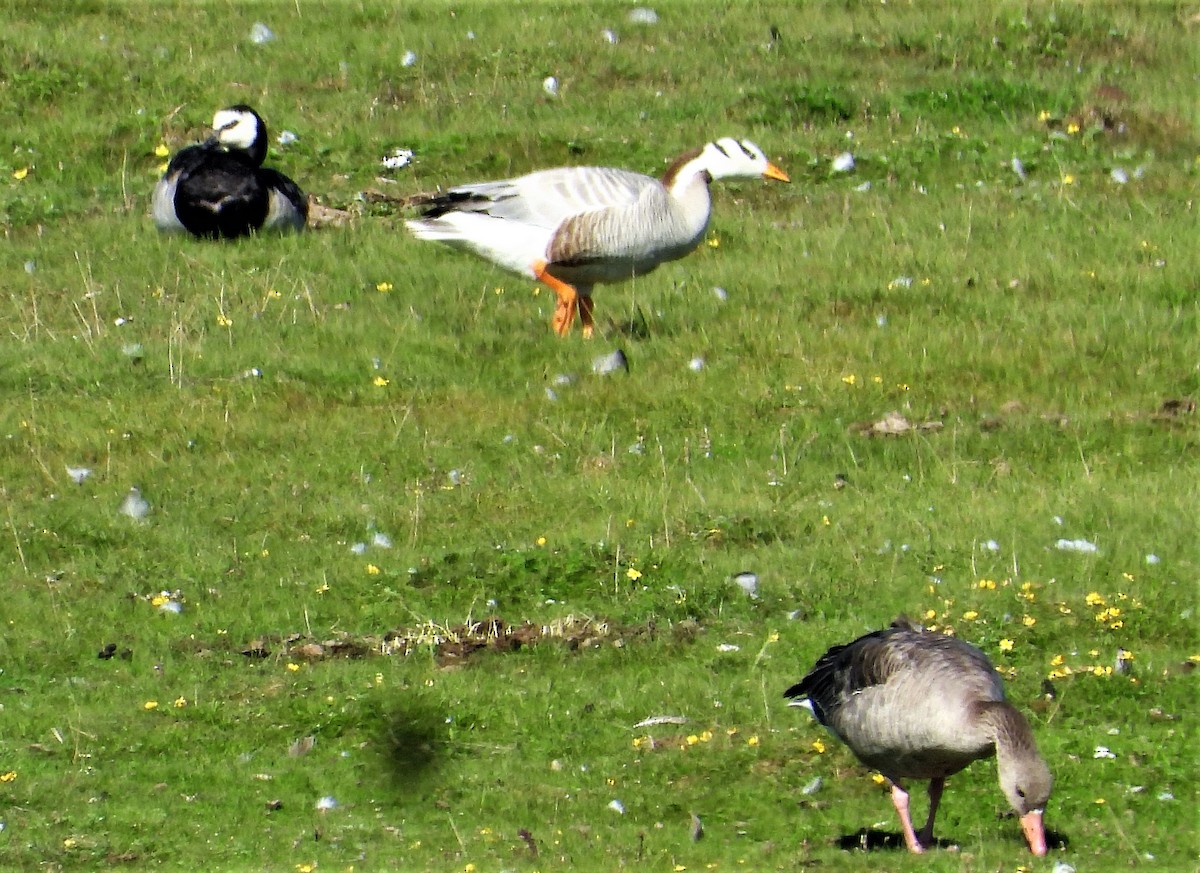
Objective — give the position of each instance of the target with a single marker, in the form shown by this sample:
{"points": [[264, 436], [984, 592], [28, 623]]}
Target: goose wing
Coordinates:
{"points": [[546, 198]]}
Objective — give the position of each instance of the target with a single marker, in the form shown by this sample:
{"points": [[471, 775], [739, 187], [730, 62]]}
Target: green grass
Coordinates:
{"points": [[277, 408]]}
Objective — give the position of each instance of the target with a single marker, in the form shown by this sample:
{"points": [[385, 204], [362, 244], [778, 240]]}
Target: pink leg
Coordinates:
{"points": [[900, 801], [935, 797]]}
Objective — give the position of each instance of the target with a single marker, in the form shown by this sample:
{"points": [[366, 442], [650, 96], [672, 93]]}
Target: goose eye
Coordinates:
{"points": [[1021, 793]]}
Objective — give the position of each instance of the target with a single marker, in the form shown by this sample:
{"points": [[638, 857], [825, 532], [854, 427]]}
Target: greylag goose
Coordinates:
{"points": [[918, 705], [575, 227], [220, 189]]}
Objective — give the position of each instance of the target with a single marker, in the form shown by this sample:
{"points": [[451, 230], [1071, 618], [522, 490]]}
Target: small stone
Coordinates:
{"points": [[613, 362], [748, 582], [260, 34]]}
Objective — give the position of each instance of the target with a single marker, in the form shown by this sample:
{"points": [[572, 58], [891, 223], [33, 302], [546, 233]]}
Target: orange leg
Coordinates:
{"points": [[585, 314], [568, 299]]}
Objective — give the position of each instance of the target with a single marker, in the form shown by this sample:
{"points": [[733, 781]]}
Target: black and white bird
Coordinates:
{"points": [[920, 705], [219, 189]]}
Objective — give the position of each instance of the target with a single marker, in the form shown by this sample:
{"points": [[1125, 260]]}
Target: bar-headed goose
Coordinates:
{"points": [[575, 227], [921, 705], [220, 189]]}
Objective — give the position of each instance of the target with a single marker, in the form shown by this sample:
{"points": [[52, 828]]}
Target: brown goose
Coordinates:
{"points": [[575, 227], [918, 705]]}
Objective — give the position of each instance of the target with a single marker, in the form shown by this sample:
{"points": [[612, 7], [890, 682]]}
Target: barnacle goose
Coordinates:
{"points": [[220, 189]]}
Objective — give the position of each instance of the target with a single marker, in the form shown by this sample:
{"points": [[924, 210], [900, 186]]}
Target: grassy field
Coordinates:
{"points": [[413, 574]]}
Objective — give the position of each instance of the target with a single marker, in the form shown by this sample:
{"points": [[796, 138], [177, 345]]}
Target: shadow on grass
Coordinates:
{"points": [[871, 840], [414, 741]]}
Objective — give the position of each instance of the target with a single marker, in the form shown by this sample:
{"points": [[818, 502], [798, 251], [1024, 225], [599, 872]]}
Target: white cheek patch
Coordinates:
{"points": [[235, 129]]}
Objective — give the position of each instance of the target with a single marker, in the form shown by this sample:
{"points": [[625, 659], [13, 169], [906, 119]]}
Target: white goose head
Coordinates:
{"points": [[239, 128], [725, 158]]}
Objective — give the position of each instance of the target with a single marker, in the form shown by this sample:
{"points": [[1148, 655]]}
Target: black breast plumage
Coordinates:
{"points": [[215, 192]]}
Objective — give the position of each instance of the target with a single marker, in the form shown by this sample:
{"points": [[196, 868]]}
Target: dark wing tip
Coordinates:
{"points": [[796, 690]]}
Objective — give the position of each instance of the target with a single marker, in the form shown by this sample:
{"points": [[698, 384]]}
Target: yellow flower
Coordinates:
{"points": [[1068, 179], [224, 320], [705, 736], [930, 614], [818, 747], [372, 570], [714, 242], [159, 599], [380, 382], [1044, 115], [1099, 801], [970, 615], [634, 574], [149, 705], [1094, 599], [1057, 661], [1006, 645], [692, 739], [305, 868], [987, 584], [323, 587], [161, 150], [878, 778], [293, 667], [383, 287], [1028, 620], [849, 378], [825, 520], [180, 702], [9, 776], [470, 868], [21, 173], [1072, 128], [541, 541], [752, 741]]}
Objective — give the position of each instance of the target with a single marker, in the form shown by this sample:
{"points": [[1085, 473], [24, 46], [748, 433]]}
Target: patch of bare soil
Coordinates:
{"points": [[455, 645]]}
